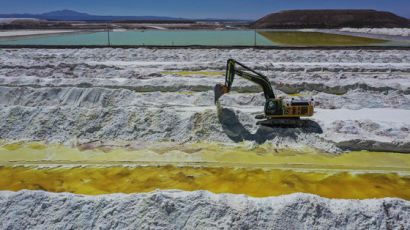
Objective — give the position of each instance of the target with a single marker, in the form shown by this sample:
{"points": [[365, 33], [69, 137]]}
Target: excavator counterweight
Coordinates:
{"points": [[277, 111]]}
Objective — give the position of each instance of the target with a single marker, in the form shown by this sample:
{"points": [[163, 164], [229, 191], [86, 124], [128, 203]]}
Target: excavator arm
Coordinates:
{"points": [[247, 73]]}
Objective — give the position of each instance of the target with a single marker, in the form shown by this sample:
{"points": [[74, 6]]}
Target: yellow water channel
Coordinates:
{"points": [[264, 170]]}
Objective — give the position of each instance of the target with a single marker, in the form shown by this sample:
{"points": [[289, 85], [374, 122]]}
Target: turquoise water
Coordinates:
{"points": [[223, 38], [153, 37], [166, 37]]}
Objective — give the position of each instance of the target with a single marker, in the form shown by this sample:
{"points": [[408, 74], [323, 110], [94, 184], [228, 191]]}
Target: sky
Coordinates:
{"points": [[234, 9]]}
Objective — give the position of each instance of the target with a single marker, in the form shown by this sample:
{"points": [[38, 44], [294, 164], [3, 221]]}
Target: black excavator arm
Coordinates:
{"points": [[249, 74]]}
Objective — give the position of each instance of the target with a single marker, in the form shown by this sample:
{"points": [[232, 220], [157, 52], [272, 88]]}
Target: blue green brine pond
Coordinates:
{"points": [[207, 38]]}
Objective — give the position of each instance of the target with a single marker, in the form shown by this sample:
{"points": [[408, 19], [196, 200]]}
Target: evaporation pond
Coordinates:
{"points": [[205, 37]]}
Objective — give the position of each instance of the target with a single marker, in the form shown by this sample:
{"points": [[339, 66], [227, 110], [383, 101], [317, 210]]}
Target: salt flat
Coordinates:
{"points": [[79, 99], [109, 94], [30, 32]]}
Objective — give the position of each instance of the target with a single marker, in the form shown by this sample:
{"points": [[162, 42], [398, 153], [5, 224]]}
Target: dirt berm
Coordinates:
{"points": [[330, 19]]}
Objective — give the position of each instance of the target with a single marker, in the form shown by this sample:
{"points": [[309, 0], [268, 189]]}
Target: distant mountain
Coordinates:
{"points": [[65, 13], [70, 15]]}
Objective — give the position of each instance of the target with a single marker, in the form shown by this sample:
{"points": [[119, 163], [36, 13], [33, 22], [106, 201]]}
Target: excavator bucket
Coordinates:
{"points": [[219, 90]]}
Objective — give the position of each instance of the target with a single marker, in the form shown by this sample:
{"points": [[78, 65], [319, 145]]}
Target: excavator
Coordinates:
{"points": [[277, 111]]}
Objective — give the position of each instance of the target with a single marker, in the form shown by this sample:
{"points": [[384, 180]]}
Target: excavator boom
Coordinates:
{"points": [[251, 75]]}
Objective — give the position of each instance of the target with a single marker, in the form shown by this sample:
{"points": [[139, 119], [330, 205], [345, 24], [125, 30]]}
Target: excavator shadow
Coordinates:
{"points": [[237, 132]]}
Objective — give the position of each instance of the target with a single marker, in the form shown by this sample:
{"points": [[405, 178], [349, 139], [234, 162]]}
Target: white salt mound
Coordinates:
{"points": [[174, 209], [385, 31], [12, 20]]}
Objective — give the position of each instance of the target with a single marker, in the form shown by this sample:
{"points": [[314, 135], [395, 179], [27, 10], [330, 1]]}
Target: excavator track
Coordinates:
{"points": [[284, 122]]}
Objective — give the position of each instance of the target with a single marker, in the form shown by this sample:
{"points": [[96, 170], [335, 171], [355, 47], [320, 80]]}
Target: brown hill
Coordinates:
{"points": [[330, 19]]}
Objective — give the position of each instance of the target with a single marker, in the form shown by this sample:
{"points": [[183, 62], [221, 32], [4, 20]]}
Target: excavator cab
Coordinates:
{"points": [[274, 107], [277, 110]]}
